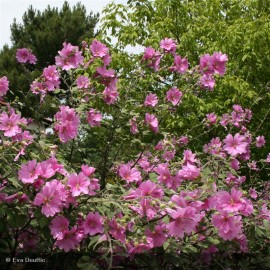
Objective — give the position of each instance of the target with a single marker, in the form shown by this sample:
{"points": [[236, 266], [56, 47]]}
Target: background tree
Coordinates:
{"points": [[238, 28], [43, 32]]}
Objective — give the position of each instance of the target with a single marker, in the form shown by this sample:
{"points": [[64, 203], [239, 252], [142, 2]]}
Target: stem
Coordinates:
{"points": [[71, 151], [139, 157], [106, 152], [13, 252], [110, 250]]}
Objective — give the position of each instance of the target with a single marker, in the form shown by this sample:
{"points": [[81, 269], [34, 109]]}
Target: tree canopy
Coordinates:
{"points": [[238, 28]]}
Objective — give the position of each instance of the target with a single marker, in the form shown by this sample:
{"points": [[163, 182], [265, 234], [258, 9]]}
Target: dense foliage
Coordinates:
{"points": [[158, 160], [238, 28], [112, 180]]}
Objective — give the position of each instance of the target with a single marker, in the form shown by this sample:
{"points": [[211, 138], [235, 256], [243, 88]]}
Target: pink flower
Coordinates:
{"points": [[152, 58], [45, 169], [159, 146], [3, 86], [58, 168], [206, 64], [67, 123], [188, 172], [94, 186], [28, 172], [69, 57], [9, 123], [168, 45], [229, 226], [179, 200], [213, 64], [23, 137], [93, 224], [225, 120], [117, 231], [141, 246], [59, 225], [87, 171], [211, 119], [235, 164], [207, 81], [260, 141], [235, 145], [19, 197], [151, 100], [180, 65], [78, 184], [110, 95], [94, 118], [38, 183], [98, 49], [230, 202], [38, 88], [247, 207], [152, 121], [189, 157], [253, 165], [51, 198], [25, 56], [129, 174], [145, 164], [168, 155], [82, 82], [69, 240], [51, 74], [268, 158], [214, 147], [219, 63], [149, 53], [174, 96], [28, 240], [183, 140], [148, 188], [49, 81], [243, 243], [133, 125], [184, 220], [237, 108], [159, 235], [165, 176], [106, 74], [106, 59], [145, 208]]}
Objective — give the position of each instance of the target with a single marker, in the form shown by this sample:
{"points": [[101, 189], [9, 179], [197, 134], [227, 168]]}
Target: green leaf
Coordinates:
{"points": [[2, 225], [153, 177], [93, 241], [266, 224], [165, 245], [259, 231], [4, 246], [213, 241], [86, 263], [16, 220], [2, 211], [43, 222], [14, 182], [116, 204]]}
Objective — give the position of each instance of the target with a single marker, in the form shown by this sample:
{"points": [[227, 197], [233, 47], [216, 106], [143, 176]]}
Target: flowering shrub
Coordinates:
{"points": [[142, 190]]}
